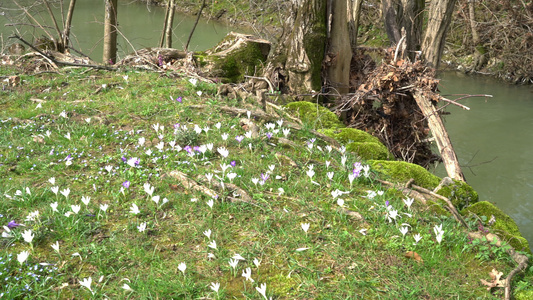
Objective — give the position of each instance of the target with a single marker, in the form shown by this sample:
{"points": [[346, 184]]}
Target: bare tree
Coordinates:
{"points": [[110, 32]]}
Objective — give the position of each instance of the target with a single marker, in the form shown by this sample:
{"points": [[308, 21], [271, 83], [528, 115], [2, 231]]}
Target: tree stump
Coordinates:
{"points": [[235, 56]]}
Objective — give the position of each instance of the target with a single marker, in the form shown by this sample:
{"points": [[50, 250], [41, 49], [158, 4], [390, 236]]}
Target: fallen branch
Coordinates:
{"points": [[64, 63], [418, 191], [190, 184]]}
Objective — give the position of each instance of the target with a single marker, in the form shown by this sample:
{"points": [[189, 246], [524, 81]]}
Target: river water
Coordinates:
{"points": [[494, 142], [139, 24]]}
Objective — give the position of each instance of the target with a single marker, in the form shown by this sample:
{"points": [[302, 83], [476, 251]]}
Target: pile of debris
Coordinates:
{"points": [[383, 104]]}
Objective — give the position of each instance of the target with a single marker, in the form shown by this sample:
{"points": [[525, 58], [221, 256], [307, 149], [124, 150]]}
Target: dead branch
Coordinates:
{"points": [[195, 23], [62, 62], [190, 184], [418, 191]]}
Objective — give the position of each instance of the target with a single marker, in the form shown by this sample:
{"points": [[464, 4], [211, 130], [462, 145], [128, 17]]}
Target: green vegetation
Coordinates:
{"points": [[318, 117], [365, 145], [90, 164], [504, 226]]}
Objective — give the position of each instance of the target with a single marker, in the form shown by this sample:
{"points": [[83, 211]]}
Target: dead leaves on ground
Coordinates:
{"points": [[414, 255], [495, 280]]}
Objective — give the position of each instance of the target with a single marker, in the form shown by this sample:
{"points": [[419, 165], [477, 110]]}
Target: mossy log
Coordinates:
{"points": [[234, 57]]}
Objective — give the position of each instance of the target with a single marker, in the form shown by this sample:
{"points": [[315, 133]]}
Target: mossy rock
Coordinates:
{"points": [[402, 171], [460, 193], [360, 142], [505, 227], [313, 114]]}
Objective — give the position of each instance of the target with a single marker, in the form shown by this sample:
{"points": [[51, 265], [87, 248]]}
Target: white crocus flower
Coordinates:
{"points": [[28, 236], [22, 256]]}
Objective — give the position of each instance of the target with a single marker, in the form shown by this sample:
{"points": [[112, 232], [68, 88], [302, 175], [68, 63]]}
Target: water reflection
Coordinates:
{"points": [[139, 27]]}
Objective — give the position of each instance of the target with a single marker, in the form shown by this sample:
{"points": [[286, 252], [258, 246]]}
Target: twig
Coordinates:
{"points": [[262, 78], [455, 103]]}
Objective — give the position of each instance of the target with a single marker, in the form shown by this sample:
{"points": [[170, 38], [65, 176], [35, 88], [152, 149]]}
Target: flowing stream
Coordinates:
{"points": [[494, 142], [139, 25]]}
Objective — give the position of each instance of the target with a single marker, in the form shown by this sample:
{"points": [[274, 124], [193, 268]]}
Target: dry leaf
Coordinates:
{"points": [[414, 255], [38, 139], [496, 282]]}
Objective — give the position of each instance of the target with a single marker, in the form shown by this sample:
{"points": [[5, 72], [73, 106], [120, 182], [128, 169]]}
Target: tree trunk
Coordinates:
{"points": [[439, 18], [296, 63], [165, 23], [168, 27], [354, 12], [412, 21], [339, 54], [390, 21], [110, 32], [404, 17], [68, 21], [480, 57]]}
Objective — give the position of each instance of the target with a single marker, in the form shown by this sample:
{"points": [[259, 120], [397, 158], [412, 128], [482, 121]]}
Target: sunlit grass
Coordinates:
{"points": [[88, 171]]}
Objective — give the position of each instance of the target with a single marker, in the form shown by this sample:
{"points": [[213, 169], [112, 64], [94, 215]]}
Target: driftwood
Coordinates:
{"points": [[441, 136]]}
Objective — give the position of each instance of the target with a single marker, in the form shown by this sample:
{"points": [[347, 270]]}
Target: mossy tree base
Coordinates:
{"points": [[234, 57]]}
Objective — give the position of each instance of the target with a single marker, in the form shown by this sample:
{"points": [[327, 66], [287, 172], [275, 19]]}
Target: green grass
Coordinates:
{"points": [[339, 257]]}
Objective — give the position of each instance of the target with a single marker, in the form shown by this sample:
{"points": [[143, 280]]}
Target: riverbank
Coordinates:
{"points": [[507, 57], [123, 178]]}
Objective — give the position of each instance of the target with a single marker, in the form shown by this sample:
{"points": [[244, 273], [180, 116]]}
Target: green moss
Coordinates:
{"points": [[524, 295], [348, 135], [283, 285], [316, 115], [505, 227], [437, 208], [360, 142], [402, 171], [239, 63], [460, 193], [369, 150]]}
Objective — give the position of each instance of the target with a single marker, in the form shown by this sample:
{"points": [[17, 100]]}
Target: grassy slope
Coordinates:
{"points": [[105, 126]]}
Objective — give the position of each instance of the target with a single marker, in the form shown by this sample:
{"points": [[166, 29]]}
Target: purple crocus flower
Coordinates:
{"points": [[12, 224], [239, 138], [387, 203], [188, 149], [264, 177], [126, 184], [160, 60], [179, 99], [357, 169], [233, 163], [196, 148], [124, 159], [269, 135]]}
